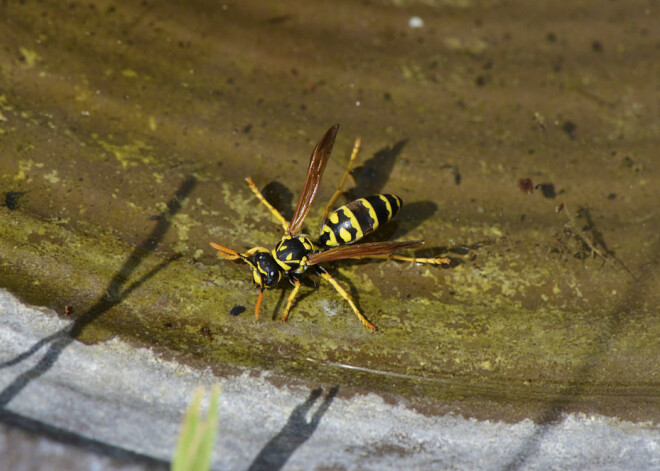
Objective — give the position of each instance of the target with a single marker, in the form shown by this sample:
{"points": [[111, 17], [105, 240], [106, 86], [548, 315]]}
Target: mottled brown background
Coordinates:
{"points": [[109, 110]]}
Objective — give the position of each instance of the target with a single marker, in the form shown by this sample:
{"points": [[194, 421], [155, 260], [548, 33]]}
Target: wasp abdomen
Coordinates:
{"points": [[355, 220]]}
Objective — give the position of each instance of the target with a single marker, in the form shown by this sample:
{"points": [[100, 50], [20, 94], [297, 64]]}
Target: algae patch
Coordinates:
{"points": [[130, 155]]}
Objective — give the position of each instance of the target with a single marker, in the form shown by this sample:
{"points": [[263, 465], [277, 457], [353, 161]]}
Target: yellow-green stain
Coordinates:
{"points": [[30, 57], [129, 73], [129, 155]]}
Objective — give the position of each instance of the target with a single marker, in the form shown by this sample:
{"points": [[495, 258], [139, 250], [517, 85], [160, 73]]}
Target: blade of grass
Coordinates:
{"points": [[195, 445]]}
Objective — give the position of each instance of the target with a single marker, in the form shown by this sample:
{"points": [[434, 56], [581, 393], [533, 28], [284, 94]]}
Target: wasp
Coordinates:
{"points": [[296, 252]]}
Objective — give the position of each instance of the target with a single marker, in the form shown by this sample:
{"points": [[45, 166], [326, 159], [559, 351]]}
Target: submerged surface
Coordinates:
{"points": [[127, 131]]}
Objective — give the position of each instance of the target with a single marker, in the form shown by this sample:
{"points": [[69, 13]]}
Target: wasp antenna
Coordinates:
{"points": [[229, 254], [225, 250]]}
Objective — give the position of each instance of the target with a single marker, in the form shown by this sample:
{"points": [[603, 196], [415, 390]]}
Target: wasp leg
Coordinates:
{"points": [[257, 306], [338, 191], [289, 302], [435, 261], [326, 276], [275, 212]]}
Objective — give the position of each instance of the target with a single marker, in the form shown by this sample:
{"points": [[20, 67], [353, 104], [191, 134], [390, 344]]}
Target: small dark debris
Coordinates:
{"points": [[312, 86], [457, 175], [569, 127], [453, 169], [237, 310], [597, 46], [206, 333], [611, 196], [548, 190], [279, 19], [11, 199], [481, 80], [387, 96], [628, 162], [526, 185], [168, 325], [247, 129], [538, 120], [551, 37]]}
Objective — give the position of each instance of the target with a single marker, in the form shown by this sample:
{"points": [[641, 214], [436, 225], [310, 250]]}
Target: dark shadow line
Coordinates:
{"points": [[84, 319], [32, 350], [613, 324], [111, 297], [70, 438], [274, 455], [279, 303], [64, 337], [599, 240]]}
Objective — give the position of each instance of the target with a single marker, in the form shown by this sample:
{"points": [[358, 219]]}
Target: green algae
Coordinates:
{"points": [[420, 342]]}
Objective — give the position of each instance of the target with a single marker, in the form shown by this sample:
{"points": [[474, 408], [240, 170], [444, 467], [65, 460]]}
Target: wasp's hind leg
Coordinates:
{"points": [[271, 208], [434, 261], [338, 191], [326, 276]]}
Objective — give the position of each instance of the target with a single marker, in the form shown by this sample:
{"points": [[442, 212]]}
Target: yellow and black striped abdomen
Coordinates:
{"points": [[357, 219]]}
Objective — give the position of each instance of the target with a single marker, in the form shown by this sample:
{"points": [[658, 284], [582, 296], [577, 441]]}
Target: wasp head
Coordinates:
{"points": [[265, 270]]}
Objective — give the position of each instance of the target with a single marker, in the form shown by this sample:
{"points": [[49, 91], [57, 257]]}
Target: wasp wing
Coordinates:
{"points": [[361, 250], [317, 164]]}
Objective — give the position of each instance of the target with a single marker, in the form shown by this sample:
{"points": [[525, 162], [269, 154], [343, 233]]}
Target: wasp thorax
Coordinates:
{"points": [[265, 270], [291, 253]]}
